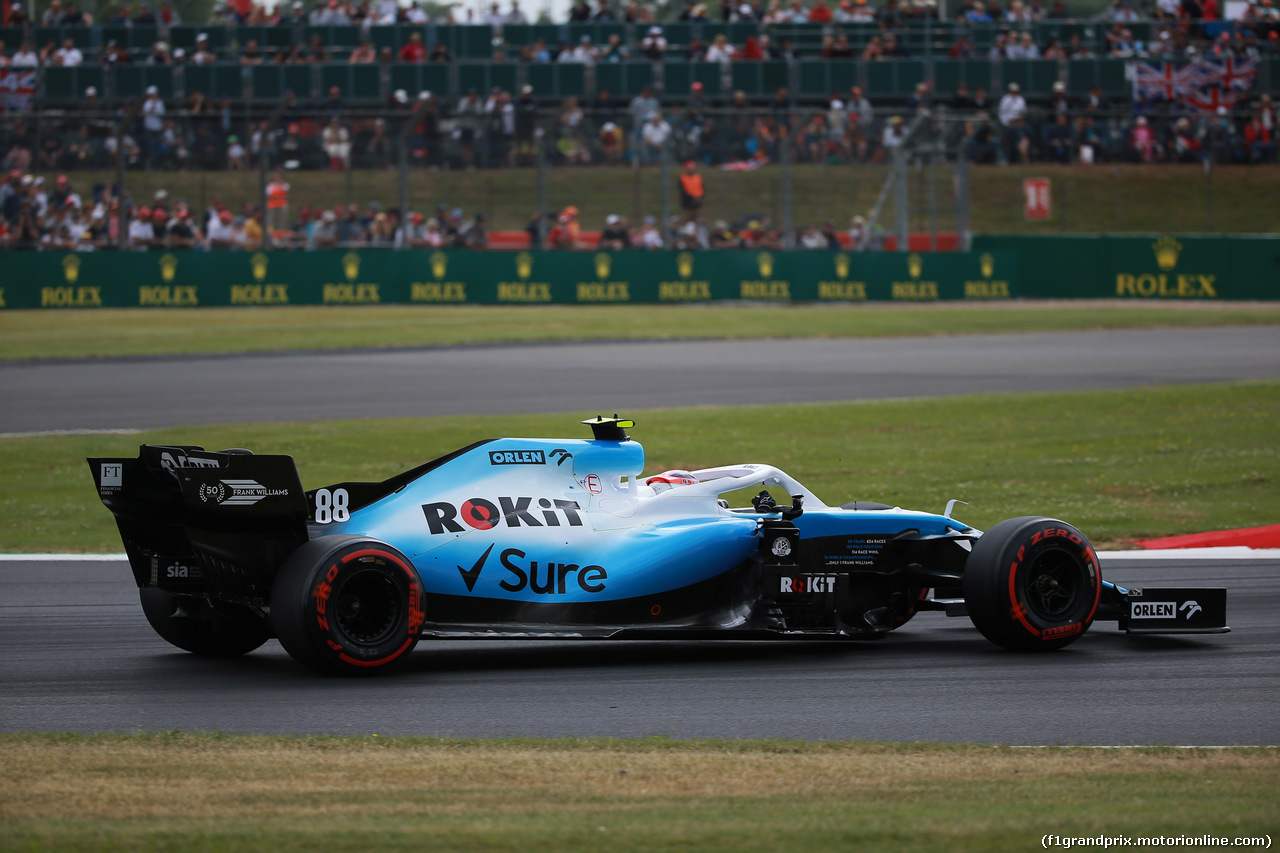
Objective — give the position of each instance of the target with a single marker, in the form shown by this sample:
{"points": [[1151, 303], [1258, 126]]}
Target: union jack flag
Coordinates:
{"points": [[1202, 84]]}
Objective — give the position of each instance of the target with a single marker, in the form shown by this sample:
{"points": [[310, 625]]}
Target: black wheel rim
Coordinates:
{"points": [[1054, 583], [368, 607]]}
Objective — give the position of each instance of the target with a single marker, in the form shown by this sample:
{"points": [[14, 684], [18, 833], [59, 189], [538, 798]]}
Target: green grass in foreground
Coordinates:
{"points": [[1120, 465], [108, 332], [218, 792]]}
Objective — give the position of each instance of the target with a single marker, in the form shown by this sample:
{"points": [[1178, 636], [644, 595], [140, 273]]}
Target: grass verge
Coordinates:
{"points": [[218, 792], [1121, 465], [1112, 198], [117, 332]]}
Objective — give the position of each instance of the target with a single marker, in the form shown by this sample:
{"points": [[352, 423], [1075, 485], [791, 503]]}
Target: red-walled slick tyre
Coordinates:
{"points": [[1032, 584], [347, 604]]}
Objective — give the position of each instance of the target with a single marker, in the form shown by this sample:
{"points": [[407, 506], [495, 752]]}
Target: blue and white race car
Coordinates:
{"points": [[567, 538]]}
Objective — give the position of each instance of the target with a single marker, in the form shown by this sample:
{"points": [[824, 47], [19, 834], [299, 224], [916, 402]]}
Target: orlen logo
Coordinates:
{"points": [[1154, 610], [517, 457], [482, 514]]}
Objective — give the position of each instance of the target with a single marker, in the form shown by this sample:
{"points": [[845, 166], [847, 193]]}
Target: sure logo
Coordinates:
{"points": [[483, 514], [552, 578]]}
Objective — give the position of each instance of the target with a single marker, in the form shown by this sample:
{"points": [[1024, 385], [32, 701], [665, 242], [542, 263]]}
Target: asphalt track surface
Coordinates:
{"points": [[79, 656], [607, 377]]}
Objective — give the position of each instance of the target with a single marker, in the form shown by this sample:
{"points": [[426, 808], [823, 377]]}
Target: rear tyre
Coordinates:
{"points": [[1032, 584], [192, 626], [347, 604]]}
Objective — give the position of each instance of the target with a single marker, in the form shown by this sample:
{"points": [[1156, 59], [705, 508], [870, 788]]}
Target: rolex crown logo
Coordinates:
{"points": [[842, 265], [168, 267], [915, 265], [439, 264], [351, 265], [988, 264], [259, 263], [71, 268], [1167, 250], [765, 261], [684, 264], [524, 265], [603, 262]]}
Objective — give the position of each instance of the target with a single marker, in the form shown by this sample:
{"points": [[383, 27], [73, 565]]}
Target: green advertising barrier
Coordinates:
{"points": [[184, 279], [1147, 267]]}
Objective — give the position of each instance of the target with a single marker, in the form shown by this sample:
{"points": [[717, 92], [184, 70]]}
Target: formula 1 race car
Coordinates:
{"points": [[563, 538]]}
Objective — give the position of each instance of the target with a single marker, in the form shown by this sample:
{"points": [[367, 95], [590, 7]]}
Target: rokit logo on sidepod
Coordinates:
{"points": [[483, 514]]}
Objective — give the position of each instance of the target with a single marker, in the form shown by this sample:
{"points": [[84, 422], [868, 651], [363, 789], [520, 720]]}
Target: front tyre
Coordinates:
{"points": [[347, 604], [1032, 584], [190, 624]]}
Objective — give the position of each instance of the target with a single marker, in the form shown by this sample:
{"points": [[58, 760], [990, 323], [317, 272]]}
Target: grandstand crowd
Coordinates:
{"points": [[1226, 118]]}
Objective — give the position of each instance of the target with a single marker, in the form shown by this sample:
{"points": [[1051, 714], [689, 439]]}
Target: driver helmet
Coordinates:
{"points": [[669, 479]]}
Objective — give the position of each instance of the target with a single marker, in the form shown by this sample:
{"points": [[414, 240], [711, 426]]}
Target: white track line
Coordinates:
{"points": [[65, 432]]}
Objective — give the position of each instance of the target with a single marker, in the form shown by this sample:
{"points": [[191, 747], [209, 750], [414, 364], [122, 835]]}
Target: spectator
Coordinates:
{"points": [[325, 234], [142, 235], [413, 50], [203, 55], [654, 44], [364, 54], [277, 203], [655, 136], [337, 145], [857, 234], [25, 57], [237, 157], [1057, 139], [476, 236], [721, 51], [152, 121], [615, 235], [1012, 106], [894, 133], [69, 56], [649, 237], [1142, 140], [251, 55], [183, 233], [1018, 141], [692, 191]]}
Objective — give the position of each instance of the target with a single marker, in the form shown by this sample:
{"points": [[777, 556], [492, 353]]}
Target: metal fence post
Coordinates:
{"points": [[122, 219], [901, 198], [540, 159], [784, 144]]}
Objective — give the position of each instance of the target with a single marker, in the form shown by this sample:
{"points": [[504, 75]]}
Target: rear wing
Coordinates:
{"points": [[203, 522]]}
